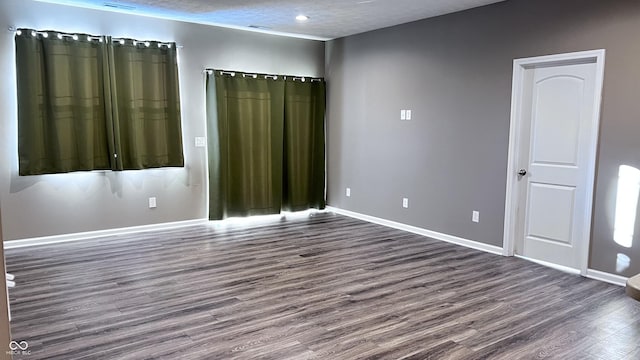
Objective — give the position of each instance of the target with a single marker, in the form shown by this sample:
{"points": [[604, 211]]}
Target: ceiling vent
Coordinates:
{"points": [[119, 6]]}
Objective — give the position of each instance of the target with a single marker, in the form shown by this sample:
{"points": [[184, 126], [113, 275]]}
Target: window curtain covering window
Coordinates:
{"points": [[266, 144], [304, 145], [145, 99], [88, 103], [246, 171], [62, 115]]}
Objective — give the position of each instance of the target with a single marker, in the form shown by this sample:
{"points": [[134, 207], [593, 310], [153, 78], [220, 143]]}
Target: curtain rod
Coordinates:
{"points": [[255, 76], [121, 41]]}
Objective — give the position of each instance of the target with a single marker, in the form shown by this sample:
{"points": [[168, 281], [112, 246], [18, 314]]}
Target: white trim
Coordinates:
{"points": [[606, 277], [551, 265], [420, 231], [593, 156], [511, 199], [46, 240]]}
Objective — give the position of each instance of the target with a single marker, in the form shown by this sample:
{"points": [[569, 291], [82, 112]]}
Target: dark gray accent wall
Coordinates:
{"points": [[454, 73], [34, 206]]}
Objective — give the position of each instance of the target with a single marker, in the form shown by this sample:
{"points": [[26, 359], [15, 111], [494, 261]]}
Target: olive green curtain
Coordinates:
{"points": [[62, 124], [146, 104], [304, 156], [246, 177], [87, 103], [266, 144]]}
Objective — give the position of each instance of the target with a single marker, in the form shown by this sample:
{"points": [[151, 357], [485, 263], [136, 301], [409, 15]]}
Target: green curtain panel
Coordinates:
{"points": [[304, 145], [88, 103], [62, 123], [246, 177], [146, 104], [266, 144]]}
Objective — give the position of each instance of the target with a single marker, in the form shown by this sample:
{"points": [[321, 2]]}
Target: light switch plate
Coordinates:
{"points": [[403, 114], [408, 114], [405, 203], [201, 141], [348, 192], [152, 203], [475, 217]]}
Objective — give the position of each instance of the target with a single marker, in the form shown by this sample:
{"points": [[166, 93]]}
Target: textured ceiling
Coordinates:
{"points": [[328, 19]]}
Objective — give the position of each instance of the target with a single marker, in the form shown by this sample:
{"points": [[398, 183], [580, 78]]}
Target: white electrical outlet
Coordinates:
{"points": [[200, 141], [152, 203], [403, 114], [405, 203], [408, 114], [348, 192], [475, 217]]}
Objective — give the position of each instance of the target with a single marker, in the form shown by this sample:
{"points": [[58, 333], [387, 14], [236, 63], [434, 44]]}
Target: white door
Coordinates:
{"points": [[555, 161]]}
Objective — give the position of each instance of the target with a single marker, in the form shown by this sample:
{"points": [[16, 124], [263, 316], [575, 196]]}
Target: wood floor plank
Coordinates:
{"points": [[323, 287]]}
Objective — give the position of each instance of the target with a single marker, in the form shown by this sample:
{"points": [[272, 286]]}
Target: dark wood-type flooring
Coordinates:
{"points": [[324, 287]]}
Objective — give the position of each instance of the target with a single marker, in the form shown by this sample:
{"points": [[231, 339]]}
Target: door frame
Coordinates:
{"points": [[513, 185]]}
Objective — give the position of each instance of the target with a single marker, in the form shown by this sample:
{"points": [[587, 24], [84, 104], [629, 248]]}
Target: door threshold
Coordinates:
{"points": [[551, 265]]}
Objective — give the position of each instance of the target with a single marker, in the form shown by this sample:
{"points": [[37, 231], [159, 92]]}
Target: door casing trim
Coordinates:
{"points": [[513, 186]]}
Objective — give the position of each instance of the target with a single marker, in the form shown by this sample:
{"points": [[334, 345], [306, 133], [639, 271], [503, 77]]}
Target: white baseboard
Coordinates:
{"points": [[592, 274], [14, 244], [420, 231], [606, 277]]}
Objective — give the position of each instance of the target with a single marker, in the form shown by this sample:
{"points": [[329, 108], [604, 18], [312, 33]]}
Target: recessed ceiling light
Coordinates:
{"points": [[302, 18]]}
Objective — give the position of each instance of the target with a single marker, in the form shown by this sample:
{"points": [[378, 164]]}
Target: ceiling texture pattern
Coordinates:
{"points": [[328, 19]]}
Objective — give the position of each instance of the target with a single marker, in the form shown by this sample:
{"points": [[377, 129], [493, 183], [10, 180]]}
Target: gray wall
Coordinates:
{"points": [[454, 72], [58, 204]]}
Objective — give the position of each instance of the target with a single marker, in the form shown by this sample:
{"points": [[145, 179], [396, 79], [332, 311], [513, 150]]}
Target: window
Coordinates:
{"points": [[266, 143], [90, 103]]}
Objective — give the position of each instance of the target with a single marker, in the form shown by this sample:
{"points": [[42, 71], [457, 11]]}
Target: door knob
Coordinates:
{"points": [[522, 172]]}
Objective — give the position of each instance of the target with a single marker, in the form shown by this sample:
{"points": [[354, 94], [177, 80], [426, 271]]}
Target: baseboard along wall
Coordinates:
{"points": [[592, 274], [45, 240]]}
